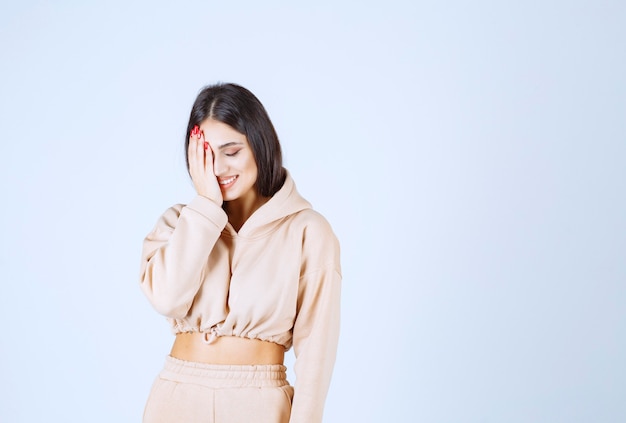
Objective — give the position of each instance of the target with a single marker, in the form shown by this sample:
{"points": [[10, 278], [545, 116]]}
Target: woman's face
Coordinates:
{"points": [[233, 161]]}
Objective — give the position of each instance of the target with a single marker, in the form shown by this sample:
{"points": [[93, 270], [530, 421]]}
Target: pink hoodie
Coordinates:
{"points": [[278, 279]]}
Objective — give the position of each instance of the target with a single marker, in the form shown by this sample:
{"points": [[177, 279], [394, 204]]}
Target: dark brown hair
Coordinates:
{"points": [[240, 109]]}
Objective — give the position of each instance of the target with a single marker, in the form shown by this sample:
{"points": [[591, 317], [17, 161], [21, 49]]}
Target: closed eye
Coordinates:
{"points": [[232, 153]]}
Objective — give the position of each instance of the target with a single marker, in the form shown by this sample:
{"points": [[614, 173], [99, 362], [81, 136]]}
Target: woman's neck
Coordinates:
{"points": [[240, 210]]}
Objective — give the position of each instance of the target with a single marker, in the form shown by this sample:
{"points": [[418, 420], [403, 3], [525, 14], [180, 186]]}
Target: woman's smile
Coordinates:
{"points": [[226, 183]]}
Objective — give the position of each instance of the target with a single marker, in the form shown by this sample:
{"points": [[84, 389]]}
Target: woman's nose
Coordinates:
{"points": [[219, 166]]}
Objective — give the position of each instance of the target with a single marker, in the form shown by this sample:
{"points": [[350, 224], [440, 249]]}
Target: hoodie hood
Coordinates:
{"points": [[285, 202]]}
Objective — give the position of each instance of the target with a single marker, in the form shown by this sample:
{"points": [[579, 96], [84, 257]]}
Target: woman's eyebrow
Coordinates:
{"points": [[229, 144]]}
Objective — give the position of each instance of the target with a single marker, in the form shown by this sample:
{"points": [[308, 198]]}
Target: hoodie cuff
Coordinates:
{"points": [[210, 210]]}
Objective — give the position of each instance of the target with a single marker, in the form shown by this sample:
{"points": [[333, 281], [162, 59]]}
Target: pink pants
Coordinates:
{"points": [[189, 392]]}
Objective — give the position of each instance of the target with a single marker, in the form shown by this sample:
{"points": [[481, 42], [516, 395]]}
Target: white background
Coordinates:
{"points": [[471, 157]]}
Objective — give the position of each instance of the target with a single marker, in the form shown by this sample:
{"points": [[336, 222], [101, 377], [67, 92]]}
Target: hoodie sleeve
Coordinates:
{"points": [[316, 329], [175, 253]]}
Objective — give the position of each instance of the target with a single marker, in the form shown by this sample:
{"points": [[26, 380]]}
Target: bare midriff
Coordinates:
{"points": [[226, 350]]}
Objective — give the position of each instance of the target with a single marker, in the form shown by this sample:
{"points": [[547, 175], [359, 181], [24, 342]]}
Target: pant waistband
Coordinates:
{"points": [[224, 376]]}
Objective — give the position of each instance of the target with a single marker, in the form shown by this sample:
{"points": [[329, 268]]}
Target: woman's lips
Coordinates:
{"points": [[227, 182]]}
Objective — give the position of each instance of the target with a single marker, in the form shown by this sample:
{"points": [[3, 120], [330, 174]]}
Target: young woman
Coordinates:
{"points": [[244, 271]]}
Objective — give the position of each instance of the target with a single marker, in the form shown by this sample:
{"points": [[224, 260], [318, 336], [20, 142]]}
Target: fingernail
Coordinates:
{"points": [[194, 131], [206, 145]]}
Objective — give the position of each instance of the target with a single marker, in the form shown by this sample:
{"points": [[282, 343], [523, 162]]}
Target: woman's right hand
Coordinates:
{"points": [[201, 167]]}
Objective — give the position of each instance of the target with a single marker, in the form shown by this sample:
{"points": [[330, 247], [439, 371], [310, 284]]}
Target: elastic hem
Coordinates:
{"points": [[181, 326]]}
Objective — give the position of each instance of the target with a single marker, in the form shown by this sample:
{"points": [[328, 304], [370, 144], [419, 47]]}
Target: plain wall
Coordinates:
{"points": [[471, 157]]}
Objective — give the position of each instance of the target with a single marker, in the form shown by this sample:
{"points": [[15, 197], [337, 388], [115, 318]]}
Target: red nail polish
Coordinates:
{"points": [[194, 131], [206, 145]]}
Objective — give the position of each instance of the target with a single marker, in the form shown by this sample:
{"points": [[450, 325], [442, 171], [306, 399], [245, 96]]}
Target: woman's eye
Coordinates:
{"points": [[232, 153]]}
